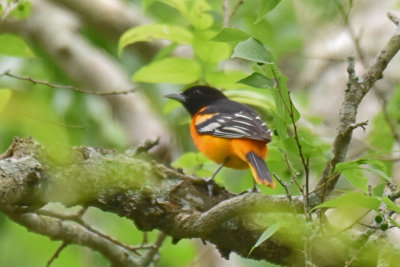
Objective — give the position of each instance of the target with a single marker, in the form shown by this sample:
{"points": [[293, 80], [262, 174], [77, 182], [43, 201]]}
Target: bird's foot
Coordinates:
{"points": [[210, 185]]}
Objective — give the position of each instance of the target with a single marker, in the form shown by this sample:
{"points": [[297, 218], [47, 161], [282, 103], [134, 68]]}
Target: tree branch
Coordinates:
{"points": [[151, 195], [73, 233], [357, 88]]}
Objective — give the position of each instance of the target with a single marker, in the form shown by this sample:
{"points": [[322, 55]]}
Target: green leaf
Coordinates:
{"points": [[190, 160], [379, 190], [282, 98], [170, 105], [230, 35], [265, 7], [179, 5], [148, 33], [5, 96], [252, 50], [353, 173], [198, 17], [257, 80], [251, 97], [390, 204], [23, 10], [394, 222], [377, 167], [169, 70], [270, 231], [352, 199], [280, 126], [12, 45], [209, 51]]}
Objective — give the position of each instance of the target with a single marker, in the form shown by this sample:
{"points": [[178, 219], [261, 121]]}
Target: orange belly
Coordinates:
{"points": [[218, 149]]}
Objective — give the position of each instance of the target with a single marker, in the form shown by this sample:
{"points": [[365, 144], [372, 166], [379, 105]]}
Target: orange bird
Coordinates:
{"points": [[227, 132]]}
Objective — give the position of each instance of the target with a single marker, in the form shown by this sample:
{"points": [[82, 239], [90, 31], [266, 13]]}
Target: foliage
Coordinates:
{"points": [[256, 43]]}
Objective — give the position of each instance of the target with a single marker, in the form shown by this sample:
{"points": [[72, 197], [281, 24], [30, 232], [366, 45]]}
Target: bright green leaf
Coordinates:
{"points": [[224, 79], [394, 222], [265, 7], [23, 10], [150, 32], [257, 80], [390, 204], [169, 70], [251, 97], [280, 126], [190, 160], [352, 199], [12, 45], [209, 51], [170, 105], [270, 231], [356, 177], [284, 106], [5, 95], [198, 15], [252, 50], [379, 190], [179, 5], [354, 174], [230, 35]]}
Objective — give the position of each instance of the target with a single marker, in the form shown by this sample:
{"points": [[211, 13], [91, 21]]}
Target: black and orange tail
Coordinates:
{"points": [[260, 170]]}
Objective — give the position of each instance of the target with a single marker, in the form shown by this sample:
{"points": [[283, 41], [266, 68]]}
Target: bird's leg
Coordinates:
{"points": [[255, 188], [210, 181]]}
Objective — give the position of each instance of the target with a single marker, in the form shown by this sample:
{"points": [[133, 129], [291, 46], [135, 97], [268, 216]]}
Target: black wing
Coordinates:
{"points": [[235, 121]]}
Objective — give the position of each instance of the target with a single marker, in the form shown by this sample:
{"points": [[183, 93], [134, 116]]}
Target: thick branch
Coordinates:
{"points": [[152, 196]]}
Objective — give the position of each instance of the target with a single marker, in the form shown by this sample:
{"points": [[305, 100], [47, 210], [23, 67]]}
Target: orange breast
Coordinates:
{"points": [[218, 148]]}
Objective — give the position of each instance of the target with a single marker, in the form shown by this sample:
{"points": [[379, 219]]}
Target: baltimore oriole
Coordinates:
{"points": [[227, 132]]}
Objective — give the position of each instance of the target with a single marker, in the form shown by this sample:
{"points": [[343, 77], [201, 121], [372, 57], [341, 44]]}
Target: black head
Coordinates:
{"points": [[197, 97]]}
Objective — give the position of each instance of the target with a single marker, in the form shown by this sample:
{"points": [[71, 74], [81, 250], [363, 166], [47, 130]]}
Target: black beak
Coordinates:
{"points": [[178, 97]]}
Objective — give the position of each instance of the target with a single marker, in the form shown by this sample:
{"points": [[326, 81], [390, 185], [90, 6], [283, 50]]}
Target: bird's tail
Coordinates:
{"points": [[260, 170]]}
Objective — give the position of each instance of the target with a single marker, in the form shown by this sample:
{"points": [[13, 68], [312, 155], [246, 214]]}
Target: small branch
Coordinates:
{"points": [[151, 255], [285, 186], [61, 86], [229, 14], [72, 233], [57, 253], [394, 18], [364, 238], [77, 218], [225, 7]]}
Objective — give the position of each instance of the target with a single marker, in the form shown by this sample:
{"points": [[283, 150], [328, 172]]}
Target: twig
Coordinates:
{"points": [[152, 253], [73, 233], [389, 120], [393, 18], [235, 8], [56, 253], [77, 218], [292, 174], [285, 186], [229, 14], [56, 123], [61, 86], [365, 238], [225, 7], [305, 161]]}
